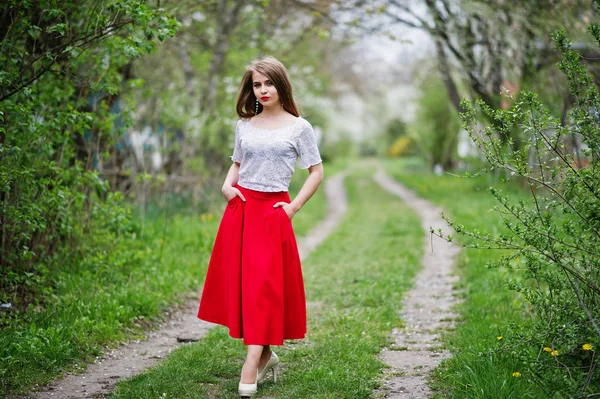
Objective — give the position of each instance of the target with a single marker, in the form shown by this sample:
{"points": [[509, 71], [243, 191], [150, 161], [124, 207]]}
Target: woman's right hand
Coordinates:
{"points": [[230, 192]]}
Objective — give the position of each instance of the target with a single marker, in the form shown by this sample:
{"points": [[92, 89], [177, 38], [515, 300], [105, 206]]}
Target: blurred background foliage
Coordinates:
{"points": [[109, 108]]}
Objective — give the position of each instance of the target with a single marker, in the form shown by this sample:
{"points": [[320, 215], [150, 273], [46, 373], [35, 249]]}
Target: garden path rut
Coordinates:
{"points": [[100, 377], [427, 307]]}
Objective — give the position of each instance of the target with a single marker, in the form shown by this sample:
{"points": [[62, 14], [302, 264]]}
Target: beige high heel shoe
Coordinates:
{"points": [[272, 364], [248, 390]]}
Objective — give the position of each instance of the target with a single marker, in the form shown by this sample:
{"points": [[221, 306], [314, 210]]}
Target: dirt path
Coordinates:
{"points": [[130, 359], [427, 307], [337, 206]]}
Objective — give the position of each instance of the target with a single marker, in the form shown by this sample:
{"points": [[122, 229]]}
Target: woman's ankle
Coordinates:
{"points": [[249, 372]]}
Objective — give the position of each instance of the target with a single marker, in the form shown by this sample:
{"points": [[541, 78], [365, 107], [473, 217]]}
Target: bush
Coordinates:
{"points": [[436, 126], [402, 146], [57, 98], [555, 236], [332, 150]]}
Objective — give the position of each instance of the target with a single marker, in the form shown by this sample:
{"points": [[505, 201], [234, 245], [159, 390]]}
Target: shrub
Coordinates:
{"points": [[59, 90], [436, 126], [555, 238], [402, 146]]}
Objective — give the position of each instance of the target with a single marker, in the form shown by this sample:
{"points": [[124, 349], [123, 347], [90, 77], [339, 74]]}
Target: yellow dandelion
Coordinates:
{"points": [[499, 337], [547, 349], [554, 353], [516, 374], [587, 347]]}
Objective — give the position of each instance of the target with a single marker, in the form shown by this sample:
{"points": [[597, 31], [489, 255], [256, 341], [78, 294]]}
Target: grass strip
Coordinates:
{"points": [[355, 283], [477, 369]]}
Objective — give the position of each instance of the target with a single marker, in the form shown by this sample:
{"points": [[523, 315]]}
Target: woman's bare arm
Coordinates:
{"points": [[230, 180], [314, 179]]}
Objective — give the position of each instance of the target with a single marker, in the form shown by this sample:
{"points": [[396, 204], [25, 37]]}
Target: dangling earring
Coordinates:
{"points": [[256, 112], [281, 105]]}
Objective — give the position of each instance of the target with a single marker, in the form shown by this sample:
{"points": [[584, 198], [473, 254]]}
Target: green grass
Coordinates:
{"points": [[117, 295], [476, 370], [112, 297], [313, 211], [355, 283]]}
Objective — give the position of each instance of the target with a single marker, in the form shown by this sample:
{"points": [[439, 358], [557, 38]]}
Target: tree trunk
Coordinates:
{"points": [[444, 68], [227, 20]]}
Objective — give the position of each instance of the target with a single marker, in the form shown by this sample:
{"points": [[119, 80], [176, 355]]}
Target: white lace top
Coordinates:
{"points": [[267, 157]]}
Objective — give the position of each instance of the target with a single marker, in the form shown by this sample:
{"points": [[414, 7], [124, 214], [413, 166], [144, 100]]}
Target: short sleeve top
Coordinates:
{"points": [[268, 157]]}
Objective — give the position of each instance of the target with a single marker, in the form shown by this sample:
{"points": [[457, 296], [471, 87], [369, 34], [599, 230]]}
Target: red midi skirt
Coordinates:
{"points": [[254, 280]]}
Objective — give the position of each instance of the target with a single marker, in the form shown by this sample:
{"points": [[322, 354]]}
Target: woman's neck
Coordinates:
{"points": [[273, 111]]}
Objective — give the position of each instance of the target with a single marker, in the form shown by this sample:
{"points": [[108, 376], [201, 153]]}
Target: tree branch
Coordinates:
{"points": [[404, 8], [14, 87]]}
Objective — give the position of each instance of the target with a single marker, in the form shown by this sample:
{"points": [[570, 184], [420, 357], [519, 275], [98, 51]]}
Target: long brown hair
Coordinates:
{"points": [[277, 74]]}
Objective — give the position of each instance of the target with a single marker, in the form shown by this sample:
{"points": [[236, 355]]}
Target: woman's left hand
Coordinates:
{"points": [[287, 208]]}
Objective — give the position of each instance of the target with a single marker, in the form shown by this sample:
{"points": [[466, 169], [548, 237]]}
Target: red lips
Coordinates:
{"points": [[264, 98]]}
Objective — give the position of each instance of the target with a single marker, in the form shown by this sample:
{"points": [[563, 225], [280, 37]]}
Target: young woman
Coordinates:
{"points": [[254, 281]]}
